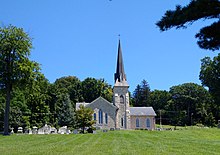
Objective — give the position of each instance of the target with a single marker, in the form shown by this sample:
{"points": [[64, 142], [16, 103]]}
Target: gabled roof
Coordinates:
{"points": [[141, 111], [96, 100], [101, 98]]}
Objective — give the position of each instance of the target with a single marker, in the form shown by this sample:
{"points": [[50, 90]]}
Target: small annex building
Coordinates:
{"points": [[119, 114]]}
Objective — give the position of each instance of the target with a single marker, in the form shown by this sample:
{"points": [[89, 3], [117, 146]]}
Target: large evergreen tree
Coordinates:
{"points": [[209, 36], [141, 94], [65, 111]]}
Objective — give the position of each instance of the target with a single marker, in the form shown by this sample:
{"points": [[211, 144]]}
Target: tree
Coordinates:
{"points": [[210, 77], [93, 88], [2, 102], [19, 110], [159, 100], [15, 46], [209, 36], [69, 85], [37, 98], [84, 118], [190, 104], [65, 111], [141, 94]]}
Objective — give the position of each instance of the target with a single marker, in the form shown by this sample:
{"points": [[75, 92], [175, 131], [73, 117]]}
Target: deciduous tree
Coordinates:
{"points": [[84, 118], [191, 104], [93, 88], [15, 46], [210, 77]]}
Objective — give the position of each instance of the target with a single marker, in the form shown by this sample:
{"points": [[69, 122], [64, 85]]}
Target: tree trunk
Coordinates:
{"points": [[7, 108], [83, 130]]}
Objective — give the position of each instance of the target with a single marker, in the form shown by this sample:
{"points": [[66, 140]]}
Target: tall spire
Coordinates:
{"points": [[120, 73]]}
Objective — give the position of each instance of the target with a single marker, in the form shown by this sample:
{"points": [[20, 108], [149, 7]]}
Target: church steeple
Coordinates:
{"points": [[120, 75]]}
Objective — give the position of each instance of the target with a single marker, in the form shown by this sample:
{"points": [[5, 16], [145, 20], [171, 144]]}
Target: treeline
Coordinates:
{"points": [[34, 101], [53, 104], [185, 104]]}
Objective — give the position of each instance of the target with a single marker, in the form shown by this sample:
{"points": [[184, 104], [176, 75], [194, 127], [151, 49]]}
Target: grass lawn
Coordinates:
{"points": [[190, 141]]}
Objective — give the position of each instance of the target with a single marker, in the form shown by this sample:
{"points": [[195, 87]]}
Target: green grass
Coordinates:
{"points": [[190, 141]]}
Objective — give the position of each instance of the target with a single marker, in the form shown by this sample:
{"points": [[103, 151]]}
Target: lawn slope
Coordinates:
{"points": [[136, 142]]}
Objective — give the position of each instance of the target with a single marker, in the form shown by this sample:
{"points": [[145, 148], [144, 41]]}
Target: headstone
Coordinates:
{"points": [[29, 131], [94, 131], [34, 130], [40, 131], [20, 130], [75, 131], [12, 130], [63, 130], [105, 130], [68, 131], [53, 130]]}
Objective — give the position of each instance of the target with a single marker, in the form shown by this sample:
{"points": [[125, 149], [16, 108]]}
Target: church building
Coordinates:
{"points": [[119, 114]]}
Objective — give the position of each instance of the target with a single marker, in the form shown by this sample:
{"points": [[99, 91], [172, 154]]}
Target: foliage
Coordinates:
{"points": [[15, 47], [93, 88], [70, 85], [209, 36], [37, 96], [19, 110], [210, 77], [190, 141], [159, 100], [141, 95], [65, 111], [190, 104], [84, 118]]}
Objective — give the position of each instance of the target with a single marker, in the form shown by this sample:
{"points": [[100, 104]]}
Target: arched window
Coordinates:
{"points": [[122, 122], [122, 99], [106, 118], [94, 116], [148, 123], [137, 123], [100, 116]]}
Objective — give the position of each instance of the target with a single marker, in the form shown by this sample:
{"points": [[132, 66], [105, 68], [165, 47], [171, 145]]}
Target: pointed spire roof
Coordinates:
{"points": [[120, 75]]}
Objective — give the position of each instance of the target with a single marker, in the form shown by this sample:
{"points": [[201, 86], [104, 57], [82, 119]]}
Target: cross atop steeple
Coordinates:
{"points": [[120, 75]]}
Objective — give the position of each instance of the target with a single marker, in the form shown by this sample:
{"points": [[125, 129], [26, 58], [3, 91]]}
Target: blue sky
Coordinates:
{"points": [[80, 38]]}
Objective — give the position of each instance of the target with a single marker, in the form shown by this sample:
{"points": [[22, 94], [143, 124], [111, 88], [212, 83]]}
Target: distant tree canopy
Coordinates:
{"points": [[209, 36]]}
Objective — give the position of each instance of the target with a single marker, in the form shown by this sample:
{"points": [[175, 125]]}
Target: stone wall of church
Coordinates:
{"points": [[101, 109], [142, 122]]}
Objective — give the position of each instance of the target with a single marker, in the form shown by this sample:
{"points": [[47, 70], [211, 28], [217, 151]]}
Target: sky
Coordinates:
{"points": [[80, 38]]}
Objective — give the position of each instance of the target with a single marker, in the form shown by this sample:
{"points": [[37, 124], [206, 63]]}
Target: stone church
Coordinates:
{"points": [[119, 114]]}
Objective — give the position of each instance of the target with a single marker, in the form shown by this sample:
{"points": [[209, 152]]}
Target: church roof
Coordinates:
{"points": [[98, 99], [141, 111], [120, 73]]}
